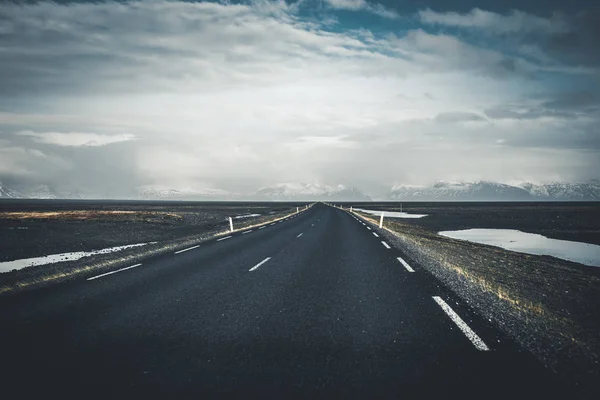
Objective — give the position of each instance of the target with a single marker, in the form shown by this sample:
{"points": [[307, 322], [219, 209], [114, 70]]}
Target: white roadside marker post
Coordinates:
{"points": [[297, 210], [350, 208], [381, 220], [230, 224]]}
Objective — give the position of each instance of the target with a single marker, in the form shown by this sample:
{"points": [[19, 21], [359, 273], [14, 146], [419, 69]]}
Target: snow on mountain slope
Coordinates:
{"points": [[457, 191], [40, 192], [490, 191], [565, 191], [8, 193], [174, 194], [309, 191]]}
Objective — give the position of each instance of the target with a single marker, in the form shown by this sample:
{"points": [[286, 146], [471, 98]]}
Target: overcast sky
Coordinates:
{"points": [[110, 96]]}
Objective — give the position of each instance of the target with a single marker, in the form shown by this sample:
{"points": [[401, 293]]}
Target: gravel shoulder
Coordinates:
{"points": [[550, 306]]}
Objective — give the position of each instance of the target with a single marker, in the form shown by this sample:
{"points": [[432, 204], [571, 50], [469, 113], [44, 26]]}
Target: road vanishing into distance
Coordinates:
{"points": [[317, 305]]}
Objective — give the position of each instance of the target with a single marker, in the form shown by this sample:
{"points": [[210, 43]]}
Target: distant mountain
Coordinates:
{"points": [[441, 191], [565, 191], [7, 193], [309, 192], [41, 192], [174, 194], [494, 191], [31, 192]]}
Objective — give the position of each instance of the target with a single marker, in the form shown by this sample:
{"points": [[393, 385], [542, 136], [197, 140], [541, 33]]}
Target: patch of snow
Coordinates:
{"points": [[246, 216], [391, 214], [7, 266], [531, 243]]}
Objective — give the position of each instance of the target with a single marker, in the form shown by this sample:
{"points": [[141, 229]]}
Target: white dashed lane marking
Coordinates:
{"points": [[225, 238], [408, 267], [188, 249], [387, 246], [113, 272], [472, 336], [259, 264], [375, 234], [299, 235]]}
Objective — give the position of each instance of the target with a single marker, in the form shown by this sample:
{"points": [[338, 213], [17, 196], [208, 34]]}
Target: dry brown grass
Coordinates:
{"points": [[84, 215]]}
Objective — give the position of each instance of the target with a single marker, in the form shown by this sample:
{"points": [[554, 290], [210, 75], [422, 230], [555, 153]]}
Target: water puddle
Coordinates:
{"points": [[7, 266], [246, 216], [531, 243], [391, 214]]}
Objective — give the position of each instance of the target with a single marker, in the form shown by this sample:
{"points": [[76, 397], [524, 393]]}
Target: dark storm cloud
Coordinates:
{"points": [[583, 100], [580, 43], [559, 39]]}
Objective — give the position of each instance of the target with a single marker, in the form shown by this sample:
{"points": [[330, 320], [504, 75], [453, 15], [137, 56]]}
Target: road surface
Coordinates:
{"points": [[314, 306]]}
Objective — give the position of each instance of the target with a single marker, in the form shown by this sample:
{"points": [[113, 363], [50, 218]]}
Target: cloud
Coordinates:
{"points": [[514, 22], [559, 40], [561, 105], [579, 44], [453, 117], [241, 96], [442, 52], [76, 139], [113, 47], [363, 5], [573, 101]]}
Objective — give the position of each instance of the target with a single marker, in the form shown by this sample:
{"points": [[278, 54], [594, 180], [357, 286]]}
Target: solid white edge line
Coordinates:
{"points": [[375, 234], [188, 249], [408, 267], [387, 246], [472, 336], [243, 233], [259, 264], [299, 235], [262, 227], [225, 238], [112, 272]]}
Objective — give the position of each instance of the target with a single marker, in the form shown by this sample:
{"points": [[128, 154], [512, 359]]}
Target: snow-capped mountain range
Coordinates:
{"points": [[309, 192], [33, 192], [494, 191], [174, 194], [440, 191]]}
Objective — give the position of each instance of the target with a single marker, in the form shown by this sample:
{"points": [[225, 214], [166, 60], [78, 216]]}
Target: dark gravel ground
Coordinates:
{"points": [[578, 222], [550, 306], [92, 225], [33, 228]]}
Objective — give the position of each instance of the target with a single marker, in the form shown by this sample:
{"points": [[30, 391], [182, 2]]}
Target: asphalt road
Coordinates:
{"points": [[314, 306]]}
